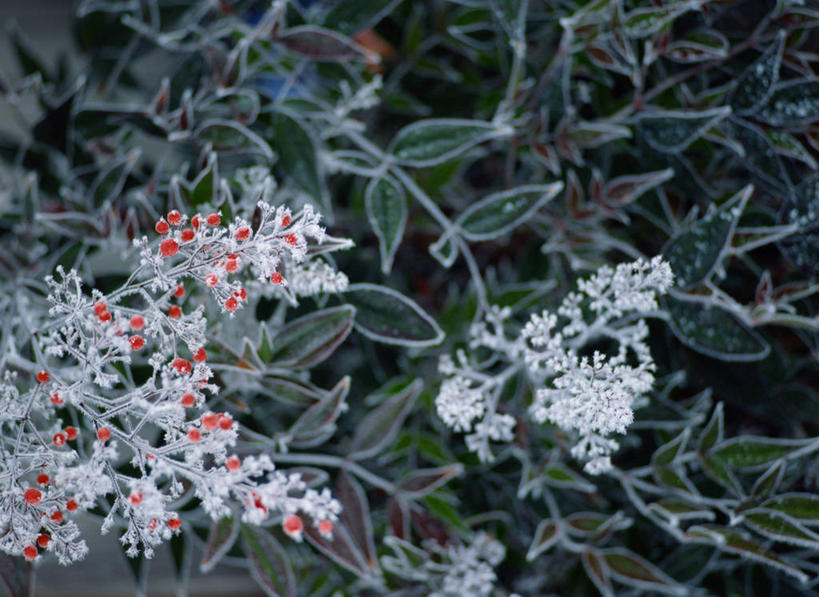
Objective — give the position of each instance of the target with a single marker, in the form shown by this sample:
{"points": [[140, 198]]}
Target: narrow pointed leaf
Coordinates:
{"points": [[318, 422], [424, 481], [222, 534], [228, 134], [779, 527], [500, 212], [269, 565], [746, 451], [309, 340], [318, 43], [386, 207], [792, 104], [355, 515], [546, 535], [631, 569], [430, 142], [803, 507], [597, 570], [755, 85], [298, 157], [379, 427], [672, 132]]}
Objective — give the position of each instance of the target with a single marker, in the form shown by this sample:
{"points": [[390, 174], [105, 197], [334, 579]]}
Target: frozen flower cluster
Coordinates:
{"points": [[591, 395], [67, 429], [469, 569]]}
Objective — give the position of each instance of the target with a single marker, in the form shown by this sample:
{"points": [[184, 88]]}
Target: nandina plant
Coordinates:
{"points": [[576, 242]]}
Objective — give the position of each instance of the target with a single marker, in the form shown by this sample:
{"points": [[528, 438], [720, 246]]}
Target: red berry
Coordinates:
{"points": [[231, 304], [211, 280], [174, 217], [71, 433], [32, 496], [57, 517], [325, 527], [105, 316], [59, 439], [30, 552], [194, 435], [188, 400], [293, 525], [243, 294], [233, 463], [231, 265], [100, 308], [179, 292], [137, 322], [42, 479], [55, 399], [43, 376], [104, 434], [174, 312], [200, 355], [291, 239], [187, 235], [195, 221], [276, 278], [43, 540], [174, 523], [285, 220], [168, 247], [210, 421], [243, 233], [71, 505], [225, 422], [214, 219], [135, 497], [136, 342], [181, 365], [162, 226]]}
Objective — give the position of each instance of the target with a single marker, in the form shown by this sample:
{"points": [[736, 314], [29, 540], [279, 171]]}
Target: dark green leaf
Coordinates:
{"points": [[430, 142], [423, 481], [388, 316], [298, 157], [597, 570], [629, 568], [792, 104], [228, 134], [546, 535], [755, 85], [500, 212], [713, 431], [310, 339], [761, 156], [802, 209], [317, 423], [717, 470], [386, 207], [804, 507], [672, 132], [318, 43], [379, 427], [220, 539], [667, 453], [753, 451], [769, 480], [355, 516], [269, 565], [777, 526]]}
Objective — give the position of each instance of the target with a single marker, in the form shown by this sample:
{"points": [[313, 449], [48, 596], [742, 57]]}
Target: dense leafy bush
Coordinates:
{"points": [[555, 333]]}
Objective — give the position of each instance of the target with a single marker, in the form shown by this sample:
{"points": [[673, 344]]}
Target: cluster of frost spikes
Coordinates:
{"points": [[66, 429], [468, 569], [593, 396]]}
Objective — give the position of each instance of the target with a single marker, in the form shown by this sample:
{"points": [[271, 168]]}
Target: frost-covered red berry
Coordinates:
{"points": [[162, 227], [233, 463], [181, 365], [57, 517], [210, 421], [200, 356], [103, 434], [225, 421], [285, 220], [135, 497], [231, 265], [291, 239], [243, 233], [195, 221], [293, 526], [168, 247], [42, 479], [194, 435], [179, 292], [43, 376], [32, 495], [137, 322], [174, 312], [71, 505], [231, 304], [276, 278], [136, 342], [211, 280], [325, 527], [43, 540], [214, 219], [71, 433], [100, 308], [174, 217], [174, 523], [187, 235], [59, 439], [30, 552], [55, 399]]}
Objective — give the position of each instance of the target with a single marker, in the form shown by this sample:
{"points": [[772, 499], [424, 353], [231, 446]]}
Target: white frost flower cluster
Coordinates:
{"points": [[592, 396], [66, 428], [470, 568]]}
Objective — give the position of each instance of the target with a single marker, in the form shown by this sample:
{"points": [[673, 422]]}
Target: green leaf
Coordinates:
{"points": [[445, 250], [546, 535], [269, 565], [558, 475], [804, 507], [320, 44], [629, 568], [735, 542], [788, 145], [802, 208], [203, 188], [792, 104], [317, 423], [380, 426], [289, 390], [777, 526], [387, 316], [430, 142], [649, 20], [500, 212], [310, 339], [386, 207], [667, 453], [672, 132], [713, 431], [746, 451], [222, 534], [351, 16], [228, 134], [716, 469], [298, 158], [755, 85], [597, 570], [625, 189], [355, 516], [769, 480], [423, 481], [714, 332], [676, 509], [761, 157]]}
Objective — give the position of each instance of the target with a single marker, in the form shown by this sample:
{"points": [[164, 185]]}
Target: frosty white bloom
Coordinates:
{"points": [[469, 570], [459, 404]]}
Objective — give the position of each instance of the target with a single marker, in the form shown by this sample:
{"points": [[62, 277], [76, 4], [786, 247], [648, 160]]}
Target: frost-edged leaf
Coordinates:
{"points": [[735, 542], [269, 564], [351, 16], [672, 132], [340, 548], [755, 85], [625, 189], [786, 144], [642, 22], [228, 134], [768, 481], [386, 207], [677, 509], [355, 516], [587, 134], [698, 46], [713, 431], [110, 181], [695, 252], [432, 141], [668, 452], [803, 507], [802, 209], [318, 43], [385, 315], [498, 213], [445, 250], [748, 451], [777, 526], [760, 155], [221, 536], [629, 568], [298, 157], [423, 481], [310, 339], [714, 332], [792, 104], [719, 472], [380, 426], [597, 570], [289, 390], [317, 423], [558, 475], [546, 535]]}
